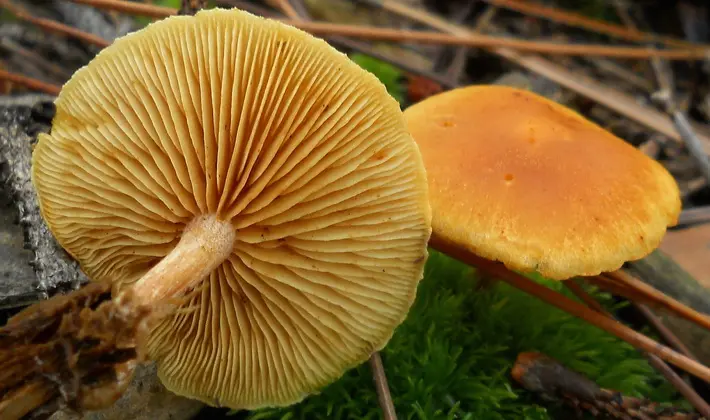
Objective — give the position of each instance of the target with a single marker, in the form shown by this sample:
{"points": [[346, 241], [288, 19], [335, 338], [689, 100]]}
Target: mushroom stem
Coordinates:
{"points": [[206, 243]]}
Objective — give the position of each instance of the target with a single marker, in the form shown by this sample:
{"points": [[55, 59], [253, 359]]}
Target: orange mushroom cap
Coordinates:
{"points": [[518, 178]]}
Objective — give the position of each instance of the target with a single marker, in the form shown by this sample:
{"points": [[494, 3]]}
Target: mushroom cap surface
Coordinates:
{"points": [[518, 178], [269, 128]]}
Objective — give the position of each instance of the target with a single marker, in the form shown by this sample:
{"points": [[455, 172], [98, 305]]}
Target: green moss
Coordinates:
{"points": [[389, 75], [451, 358]]}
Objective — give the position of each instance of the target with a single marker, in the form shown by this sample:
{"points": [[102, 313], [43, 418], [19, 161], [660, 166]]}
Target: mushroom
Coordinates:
{"points": [[252, 174], [517, 178]]}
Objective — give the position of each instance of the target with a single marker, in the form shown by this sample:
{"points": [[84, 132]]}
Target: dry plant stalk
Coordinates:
{"points": [[53, 26], [78, 350], [671, 376], [486, 41], [384, 397], [576, 309], [602, 27], [611, 98], [354, 30], [626, 285], [286, 7], [553, 381], [663, 331], [29, 82], [469, 40], [133, 8]]}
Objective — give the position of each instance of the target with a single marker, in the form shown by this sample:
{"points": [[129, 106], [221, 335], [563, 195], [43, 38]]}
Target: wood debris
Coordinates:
{"points": [[77, 350], [621, 95], [553, 381]]}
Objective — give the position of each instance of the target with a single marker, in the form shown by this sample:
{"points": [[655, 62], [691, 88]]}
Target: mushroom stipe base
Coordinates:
{"points": [[206, 243]]}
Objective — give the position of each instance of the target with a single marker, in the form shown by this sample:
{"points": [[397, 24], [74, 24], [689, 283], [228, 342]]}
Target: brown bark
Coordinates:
{"points": [[551, 380], [77, 350]]}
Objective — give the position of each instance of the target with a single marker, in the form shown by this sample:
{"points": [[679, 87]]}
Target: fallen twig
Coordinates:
{"points": [[458, 63], [692, 142], [550, 379], [486, 41], [621, 72], [286, 7], [383, 390], [470, 39], [30, 83], [31, 56], [575, 20], [647, 294], [132, 8], [666, 96], [574, 308], [53, 26], [686, 390], [585, 86], [664, 332]]}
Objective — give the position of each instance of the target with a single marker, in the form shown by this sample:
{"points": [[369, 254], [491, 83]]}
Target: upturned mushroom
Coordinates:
{"points": [[517, 178], [252, 172]]}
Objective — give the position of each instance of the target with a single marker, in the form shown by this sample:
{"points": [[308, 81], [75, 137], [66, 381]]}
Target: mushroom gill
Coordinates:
{"points": [[287, 152]]}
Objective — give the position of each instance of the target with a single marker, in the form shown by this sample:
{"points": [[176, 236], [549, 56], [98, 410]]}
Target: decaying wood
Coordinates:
{"points": [[665, 275], [77, 350], [21, 118], [54, 269], [145, 399], [553, 381]]}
